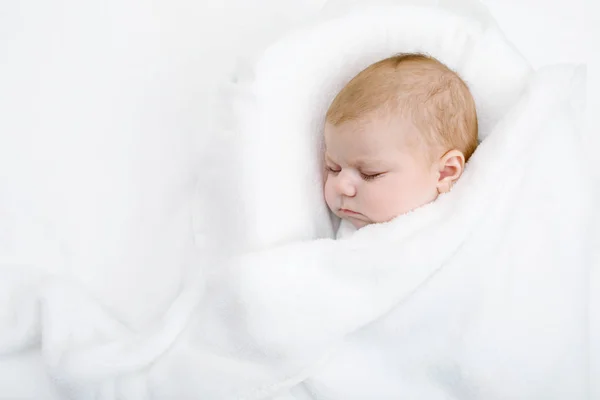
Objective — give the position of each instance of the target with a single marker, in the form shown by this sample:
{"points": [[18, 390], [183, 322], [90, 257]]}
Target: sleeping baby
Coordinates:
{"points": [[396, 136]]}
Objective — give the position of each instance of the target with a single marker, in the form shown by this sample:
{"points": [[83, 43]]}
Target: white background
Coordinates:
{"points": [[88, 91], [546, 31]]}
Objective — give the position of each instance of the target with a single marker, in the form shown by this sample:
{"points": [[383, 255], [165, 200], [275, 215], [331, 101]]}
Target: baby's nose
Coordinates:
{"points": [[345, 186]]}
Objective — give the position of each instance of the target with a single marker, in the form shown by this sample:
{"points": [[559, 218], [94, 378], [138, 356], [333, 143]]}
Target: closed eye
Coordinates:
{"points": [[333, 170], [370, 177]]}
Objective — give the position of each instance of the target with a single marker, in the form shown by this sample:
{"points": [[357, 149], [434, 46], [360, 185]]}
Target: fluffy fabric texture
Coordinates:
{"points": [[105, 128], [479, 295], [496, 311]]}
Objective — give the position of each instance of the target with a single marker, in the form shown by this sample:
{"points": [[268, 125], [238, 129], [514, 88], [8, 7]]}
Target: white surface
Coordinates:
{"points": [[545, 31], [23, 377], [103, 112], [512, 318], [102, 118], [496, 311]]}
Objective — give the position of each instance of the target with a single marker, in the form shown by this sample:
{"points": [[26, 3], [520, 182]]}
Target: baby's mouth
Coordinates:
{"points": [[349, 212], [354, 217]]}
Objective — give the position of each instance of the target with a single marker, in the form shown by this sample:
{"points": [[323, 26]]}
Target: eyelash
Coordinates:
{"points": [[363, 176], [369, 177]]}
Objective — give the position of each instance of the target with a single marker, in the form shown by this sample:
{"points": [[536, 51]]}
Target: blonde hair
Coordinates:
{"points": [[417, 86]]}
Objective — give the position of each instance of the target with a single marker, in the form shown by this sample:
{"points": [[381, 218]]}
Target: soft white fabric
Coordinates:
{"points": [[97, 163], [23, 376], [105, 128], [479, 295], [345, 230], [533, 25], [111, 286]]}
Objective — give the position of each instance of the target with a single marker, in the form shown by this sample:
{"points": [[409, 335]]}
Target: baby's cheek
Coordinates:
{"points": [[328, 194], [376, 203], [385, 202]]}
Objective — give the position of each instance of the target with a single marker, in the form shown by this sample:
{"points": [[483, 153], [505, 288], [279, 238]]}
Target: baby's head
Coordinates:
{"points": [[396, 136]]}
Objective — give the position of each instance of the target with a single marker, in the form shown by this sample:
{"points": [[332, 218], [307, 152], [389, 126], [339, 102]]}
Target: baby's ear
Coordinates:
{"points": [[451, 166]]}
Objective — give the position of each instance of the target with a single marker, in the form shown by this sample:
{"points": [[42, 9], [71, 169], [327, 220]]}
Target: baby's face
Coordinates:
{"points": [[374, 172]]}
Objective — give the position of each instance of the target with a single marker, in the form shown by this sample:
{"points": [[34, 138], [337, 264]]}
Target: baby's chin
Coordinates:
{"points": [[358, 224]]}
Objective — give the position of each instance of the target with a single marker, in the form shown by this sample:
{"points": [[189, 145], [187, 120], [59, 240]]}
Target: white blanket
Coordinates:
{"points": [[479, 295]]}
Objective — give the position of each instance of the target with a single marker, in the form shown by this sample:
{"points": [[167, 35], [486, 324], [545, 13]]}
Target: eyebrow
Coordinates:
{"points": [[366, 163], [361, 163]]}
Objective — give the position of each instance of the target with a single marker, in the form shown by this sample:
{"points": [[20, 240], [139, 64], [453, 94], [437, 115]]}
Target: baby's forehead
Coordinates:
{"points": [[370, 122], [380, 126], [376, 139]]}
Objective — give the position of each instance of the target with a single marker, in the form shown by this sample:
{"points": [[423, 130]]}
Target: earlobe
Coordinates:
{"points": [[444, 187]]}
